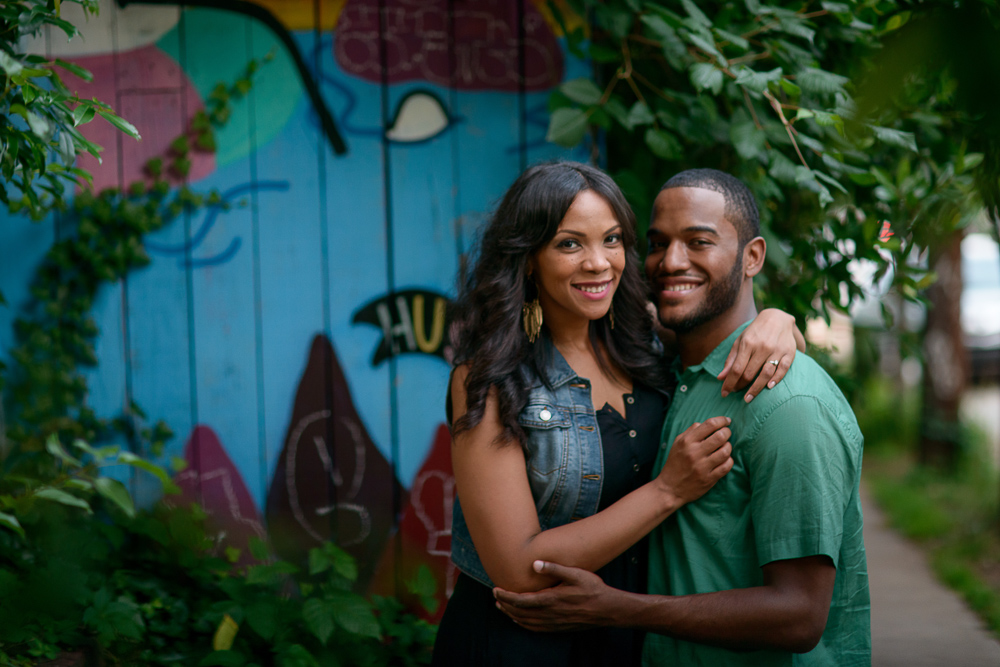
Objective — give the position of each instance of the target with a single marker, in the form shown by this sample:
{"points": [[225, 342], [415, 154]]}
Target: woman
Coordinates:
{"points": [[557, 405]]}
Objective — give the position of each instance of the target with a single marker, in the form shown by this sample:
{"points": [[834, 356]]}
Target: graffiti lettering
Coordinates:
{"points": [[403, 318]]}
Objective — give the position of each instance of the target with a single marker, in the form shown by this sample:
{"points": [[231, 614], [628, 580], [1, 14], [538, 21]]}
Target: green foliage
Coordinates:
{"points": [[80, 569], [766, 90], [39, 116]]}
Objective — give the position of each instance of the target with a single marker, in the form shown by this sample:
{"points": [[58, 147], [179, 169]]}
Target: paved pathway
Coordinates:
{"points": [[916, 621]]}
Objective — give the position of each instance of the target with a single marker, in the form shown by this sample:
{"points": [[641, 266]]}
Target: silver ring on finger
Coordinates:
{"points": [[773, 361]]}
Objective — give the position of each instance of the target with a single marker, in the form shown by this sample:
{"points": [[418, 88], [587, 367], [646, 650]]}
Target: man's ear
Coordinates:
{"points": [[753, 256]]}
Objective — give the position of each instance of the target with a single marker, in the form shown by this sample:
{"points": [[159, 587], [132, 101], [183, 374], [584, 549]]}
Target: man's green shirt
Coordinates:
{"points": [[792, 493]]}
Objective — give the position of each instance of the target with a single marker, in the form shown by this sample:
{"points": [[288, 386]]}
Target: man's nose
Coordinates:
{"points": [[675, 258]]}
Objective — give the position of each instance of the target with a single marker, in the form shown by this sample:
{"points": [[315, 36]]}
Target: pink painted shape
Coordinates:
{"points": [[151, 92], [417, 41], [213, 481]]}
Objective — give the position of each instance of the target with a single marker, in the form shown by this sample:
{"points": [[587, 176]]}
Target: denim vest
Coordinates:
{"points": [[562, 452]]}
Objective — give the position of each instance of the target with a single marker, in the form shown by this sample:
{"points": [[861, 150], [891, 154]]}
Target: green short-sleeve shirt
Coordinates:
{"points": [[792, 493]]}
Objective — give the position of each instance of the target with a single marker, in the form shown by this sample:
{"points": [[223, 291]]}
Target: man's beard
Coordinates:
{"points": [[720, 298]]}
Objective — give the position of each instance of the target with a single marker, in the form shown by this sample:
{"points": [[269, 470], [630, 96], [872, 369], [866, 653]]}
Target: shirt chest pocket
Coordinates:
{"points": [[547, 428]]}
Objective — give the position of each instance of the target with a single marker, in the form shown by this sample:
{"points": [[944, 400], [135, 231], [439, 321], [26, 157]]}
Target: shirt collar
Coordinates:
{"points": [[716, 359]]}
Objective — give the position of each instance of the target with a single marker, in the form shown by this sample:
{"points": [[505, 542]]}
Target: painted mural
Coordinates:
{"points": [[296, 341]]}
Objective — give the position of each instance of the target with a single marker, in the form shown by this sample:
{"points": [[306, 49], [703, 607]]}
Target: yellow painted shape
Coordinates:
{"points": [[300, 14], [428, 345], [571, 18]]}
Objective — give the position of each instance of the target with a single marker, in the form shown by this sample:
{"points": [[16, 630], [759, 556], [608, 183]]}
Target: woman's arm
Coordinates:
{"points": [[492, 481], [771, 336]]}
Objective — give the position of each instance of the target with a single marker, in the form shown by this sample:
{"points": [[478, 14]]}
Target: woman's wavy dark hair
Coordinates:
{"points": [[487, 332]]}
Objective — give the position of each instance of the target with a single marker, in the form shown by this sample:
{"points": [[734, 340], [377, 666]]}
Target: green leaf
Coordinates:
{"points": [[732, 38], [897, 21], [128, 458], [640, 114], [122, 124], [318, 561], [663, 144], [696, 14], [343, 562], [354, 614], [617, 110], [40, 126], [53, 447], [748, 140], [567, 127], [895, 137], [757, 81], [262, 617], [57, 496], [782, 169], [829, 180], [116, 492], [814, 80], [790, 88], [82, 114], [319, 618], [707, 76], [11, 522], [582, 91], [75, 70], [9, 64]]}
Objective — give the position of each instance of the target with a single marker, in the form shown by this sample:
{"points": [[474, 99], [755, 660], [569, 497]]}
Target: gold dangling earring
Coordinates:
{"points": [[532, 316], [611, 315]]}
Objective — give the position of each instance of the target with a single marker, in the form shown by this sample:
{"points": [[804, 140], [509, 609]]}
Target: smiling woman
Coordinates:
{"points": [[556, 418]]}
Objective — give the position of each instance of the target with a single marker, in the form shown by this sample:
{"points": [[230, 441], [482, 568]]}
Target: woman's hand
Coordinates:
{"points": [[700, 456], [771, 337]]}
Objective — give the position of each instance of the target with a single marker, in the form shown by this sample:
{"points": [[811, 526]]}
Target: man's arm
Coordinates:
{"points": [[787, 613]]}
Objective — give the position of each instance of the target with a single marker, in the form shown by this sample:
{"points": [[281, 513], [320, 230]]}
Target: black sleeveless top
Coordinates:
{"points": [[474, 632]]}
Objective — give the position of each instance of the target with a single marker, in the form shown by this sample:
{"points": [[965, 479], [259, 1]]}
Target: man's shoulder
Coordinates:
{"points": [[807, 389]]}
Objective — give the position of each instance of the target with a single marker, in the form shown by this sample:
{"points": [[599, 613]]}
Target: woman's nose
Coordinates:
{"points": [[597, 261]]}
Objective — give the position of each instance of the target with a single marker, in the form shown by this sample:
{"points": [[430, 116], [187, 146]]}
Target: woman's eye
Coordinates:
{"points": [[613, 239], [568, 243]]}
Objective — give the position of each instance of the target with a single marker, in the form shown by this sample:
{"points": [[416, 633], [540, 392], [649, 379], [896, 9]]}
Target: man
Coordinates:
{"points": [[768, 567]]}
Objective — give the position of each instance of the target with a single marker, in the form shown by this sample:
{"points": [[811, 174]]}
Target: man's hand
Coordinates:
{"points": [[581, 600]]}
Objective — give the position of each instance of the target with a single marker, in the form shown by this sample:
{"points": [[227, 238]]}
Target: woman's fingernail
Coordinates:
{"points": [[748, 398], [729, 420], [724, 393], [494, 593], [538, 565], [770, 385]]}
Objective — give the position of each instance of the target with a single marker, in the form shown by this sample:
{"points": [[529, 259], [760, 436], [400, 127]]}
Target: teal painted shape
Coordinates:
{"points": [[218, 45]]}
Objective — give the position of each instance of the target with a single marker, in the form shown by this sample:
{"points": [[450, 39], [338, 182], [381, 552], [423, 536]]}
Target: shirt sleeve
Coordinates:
{"points": [[802, 468]]}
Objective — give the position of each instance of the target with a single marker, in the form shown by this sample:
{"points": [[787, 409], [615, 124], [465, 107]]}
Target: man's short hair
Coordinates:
{"points": [[741, 207]]}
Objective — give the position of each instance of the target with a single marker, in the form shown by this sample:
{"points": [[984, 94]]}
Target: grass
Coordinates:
{"points": [[954, 516]]}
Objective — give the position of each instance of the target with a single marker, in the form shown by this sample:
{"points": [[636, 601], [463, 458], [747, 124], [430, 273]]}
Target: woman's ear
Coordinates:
{"points": [[754, 253]]}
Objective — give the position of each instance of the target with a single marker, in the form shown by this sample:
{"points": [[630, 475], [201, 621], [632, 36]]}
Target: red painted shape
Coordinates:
{"points": [[418, 36], [152, 92], [425, 529], [213, 481]]}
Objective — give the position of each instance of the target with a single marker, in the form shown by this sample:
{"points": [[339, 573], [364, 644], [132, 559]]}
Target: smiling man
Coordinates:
{"points": [[767, 568]]}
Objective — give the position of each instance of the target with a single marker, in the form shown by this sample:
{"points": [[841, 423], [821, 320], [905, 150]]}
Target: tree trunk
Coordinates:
{"points": [[946, 362]]}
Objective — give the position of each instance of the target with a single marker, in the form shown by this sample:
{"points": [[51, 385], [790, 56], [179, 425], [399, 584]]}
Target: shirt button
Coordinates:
{"points": [[663, 445], [635, 561], [635, 467], [545, 415], [630, 400], [683, 387], [632, 433]]}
